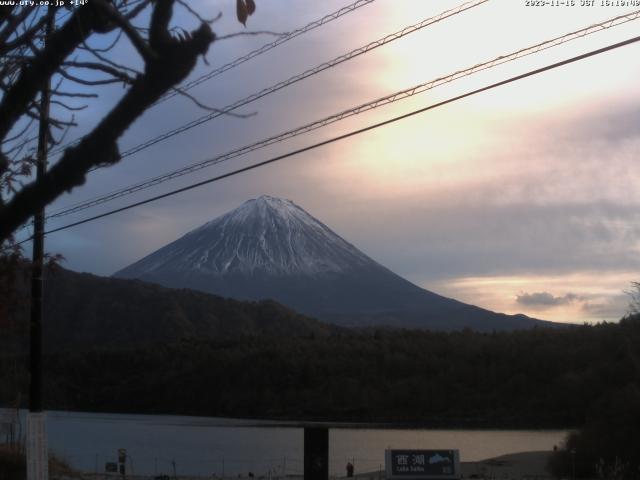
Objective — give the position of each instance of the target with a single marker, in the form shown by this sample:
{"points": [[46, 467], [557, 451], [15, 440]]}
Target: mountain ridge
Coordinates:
{"points": [[271, 248], [270, 217], [85, 311]]}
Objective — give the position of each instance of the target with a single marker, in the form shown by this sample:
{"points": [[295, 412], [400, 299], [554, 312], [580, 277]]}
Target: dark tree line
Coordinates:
{"points": [[584, 376]]}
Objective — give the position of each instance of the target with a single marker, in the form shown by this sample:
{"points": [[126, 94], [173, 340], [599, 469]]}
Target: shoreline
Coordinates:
{"points": [[293, 422], [513, 466]]}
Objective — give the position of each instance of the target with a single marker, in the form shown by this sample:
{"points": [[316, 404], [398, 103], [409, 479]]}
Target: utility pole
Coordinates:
{"points": [[37, 455]]}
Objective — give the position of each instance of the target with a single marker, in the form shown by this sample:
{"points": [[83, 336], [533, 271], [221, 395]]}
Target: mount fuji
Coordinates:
{"points": [[270, 248]]}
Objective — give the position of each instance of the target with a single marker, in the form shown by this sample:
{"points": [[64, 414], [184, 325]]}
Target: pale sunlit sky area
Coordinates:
{"points": [[523, 199]]}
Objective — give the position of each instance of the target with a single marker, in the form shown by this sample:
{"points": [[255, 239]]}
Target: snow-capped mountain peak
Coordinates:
{"points": [[263, 235], [270, 248]]}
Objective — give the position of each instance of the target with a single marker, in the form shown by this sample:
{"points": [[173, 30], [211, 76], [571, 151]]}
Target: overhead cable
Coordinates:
{"points": [[301, 76], [406, 93], [254, 53], [350, 134], [265, 48]]}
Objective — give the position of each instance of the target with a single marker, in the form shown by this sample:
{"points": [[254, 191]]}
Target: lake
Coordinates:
{"points": [[207, 446]]}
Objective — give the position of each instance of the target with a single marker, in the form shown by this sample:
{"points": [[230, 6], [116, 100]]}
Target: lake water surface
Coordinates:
{"points": [[206, 446]]}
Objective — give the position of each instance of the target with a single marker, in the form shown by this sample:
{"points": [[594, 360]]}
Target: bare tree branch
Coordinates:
{"points": [[121, 21], [19, 134], [68, 107], [114, 72], [134, 12], [172, 61], [31, 79], [90, 83], [26, 36], [210, 21], [103, 58], [108, 48], [12, 23], [198, 103], [74, 94]]}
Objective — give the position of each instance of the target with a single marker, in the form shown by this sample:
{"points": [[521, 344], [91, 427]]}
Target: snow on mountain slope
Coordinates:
{"points": [[267, 234], [270, 248]]}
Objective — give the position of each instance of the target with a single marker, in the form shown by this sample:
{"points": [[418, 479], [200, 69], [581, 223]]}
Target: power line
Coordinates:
{"points": [[301, 76], [306, 74], [254, 53], [420, 88], [350, 134], [296, 78], [265, 48]]}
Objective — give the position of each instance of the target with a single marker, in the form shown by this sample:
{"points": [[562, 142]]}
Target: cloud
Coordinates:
{"points": [[575, 297], [594, 306], [605, 308], [506, 184], [546, 300], [618, 122], [480, 240]]}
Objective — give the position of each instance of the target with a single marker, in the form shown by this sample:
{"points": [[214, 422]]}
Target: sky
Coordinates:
{"points": [[522, 199]]}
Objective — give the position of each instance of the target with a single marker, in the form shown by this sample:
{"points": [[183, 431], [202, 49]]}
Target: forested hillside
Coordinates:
{"points": [[536, 378], [84, 311]]}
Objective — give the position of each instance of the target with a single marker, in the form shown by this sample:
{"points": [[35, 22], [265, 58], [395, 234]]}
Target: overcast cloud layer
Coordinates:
{"points": [[523, 199]]}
